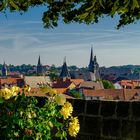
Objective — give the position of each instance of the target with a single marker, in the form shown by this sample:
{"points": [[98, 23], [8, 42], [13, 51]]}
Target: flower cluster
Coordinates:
{"points": [[52, 120], [27, 88], [8, 93], [66, 110], [60, 99], [74, 127]]}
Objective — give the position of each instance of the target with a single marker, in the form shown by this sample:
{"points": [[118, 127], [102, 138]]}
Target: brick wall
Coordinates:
{"points": [[108, 120]]}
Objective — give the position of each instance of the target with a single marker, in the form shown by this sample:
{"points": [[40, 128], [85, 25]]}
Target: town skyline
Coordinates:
{"points": [[23, 39]]}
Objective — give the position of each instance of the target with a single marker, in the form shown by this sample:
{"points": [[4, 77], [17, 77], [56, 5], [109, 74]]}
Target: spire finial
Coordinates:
{"points": [[64, 59], [91, 54], [39, 62]]}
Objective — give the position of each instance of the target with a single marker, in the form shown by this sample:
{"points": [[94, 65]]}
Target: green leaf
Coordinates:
{"points": [[14, 5], [1, 100], [101, 3], [84, 15], [135, 4]]}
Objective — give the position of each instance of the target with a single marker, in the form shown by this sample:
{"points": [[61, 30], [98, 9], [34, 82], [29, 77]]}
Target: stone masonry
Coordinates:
{"points": [[107, 120]]}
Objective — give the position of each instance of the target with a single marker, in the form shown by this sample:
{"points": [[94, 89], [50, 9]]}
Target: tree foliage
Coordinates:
{"points": [[81, 11], [76, 94], [107, 84], [53, 73]]}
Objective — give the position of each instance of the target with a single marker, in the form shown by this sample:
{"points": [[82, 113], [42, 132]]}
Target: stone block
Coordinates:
{"points": [[128, 129], [109, 138], [137, 134], [108, 108], [122, 109], [81, 121], [111, 127], [79, 106], [93, 126], [92, 107], [136, 110], [87, 137]]}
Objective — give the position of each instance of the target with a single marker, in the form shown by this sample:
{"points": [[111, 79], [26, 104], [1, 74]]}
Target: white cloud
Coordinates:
{"points": [[20, 39]]}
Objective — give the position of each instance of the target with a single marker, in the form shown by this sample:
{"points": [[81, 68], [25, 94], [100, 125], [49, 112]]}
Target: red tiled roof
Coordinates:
{"points": [[130, 83], [131, 94], [77, 81], [105, 93], [61, 90], [10, 80], [92, 85], [114, 94], [37, 92], [66, 83], [61, 84]]}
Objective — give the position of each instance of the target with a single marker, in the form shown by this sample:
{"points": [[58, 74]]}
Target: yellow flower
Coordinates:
{"points": [[6, 93], [55, 92], [66, 110], [60, 99], [74, 127], [33, 114], [27, 88], [15, 90], [29, 115]]}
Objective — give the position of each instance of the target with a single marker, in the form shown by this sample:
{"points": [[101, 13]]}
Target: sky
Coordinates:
{"points": [[23, 39]]}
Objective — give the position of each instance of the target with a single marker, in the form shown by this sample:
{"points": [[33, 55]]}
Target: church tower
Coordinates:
{"points": [[4, 70], [64, 71], [96, 65], [93, 66], [96, 68], [91, 62], [39, 67]]}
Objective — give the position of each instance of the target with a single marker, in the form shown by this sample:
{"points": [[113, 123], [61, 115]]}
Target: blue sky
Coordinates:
{"points": [[23, 39]]}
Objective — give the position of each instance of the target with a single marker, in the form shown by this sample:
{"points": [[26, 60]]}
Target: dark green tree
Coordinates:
{"points": [[76, 94], [81, 11], [53, 73], [107, 84]]}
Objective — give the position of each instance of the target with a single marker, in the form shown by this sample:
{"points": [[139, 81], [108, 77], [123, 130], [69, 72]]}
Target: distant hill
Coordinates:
{"points": [[135, 68]]}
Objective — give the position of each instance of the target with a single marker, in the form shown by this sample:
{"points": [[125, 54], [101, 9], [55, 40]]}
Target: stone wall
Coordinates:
{"points": [[108, 120]]}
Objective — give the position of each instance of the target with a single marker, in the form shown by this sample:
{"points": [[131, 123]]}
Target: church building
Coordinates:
{"points": [[4, 70], [39, 67], [89, 74]]}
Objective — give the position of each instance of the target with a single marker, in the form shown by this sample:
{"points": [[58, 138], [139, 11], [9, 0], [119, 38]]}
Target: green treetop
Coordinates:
{"points": [[81, 11], [108, 85]]}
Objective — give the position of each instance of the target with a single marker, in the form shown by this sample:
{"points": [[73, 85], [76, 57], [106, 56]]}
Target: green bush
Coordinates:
{"points": [[108, 85], [22, 119], [76, 94]]}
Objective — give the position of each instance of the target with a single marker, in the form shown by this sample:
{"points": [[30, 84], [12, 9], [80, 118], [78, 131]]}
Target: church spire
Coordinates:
{"points": [[91, 62], [4, 69], [64, 72], [39, 67], [39, 62], [95, 59], [91, 55]]}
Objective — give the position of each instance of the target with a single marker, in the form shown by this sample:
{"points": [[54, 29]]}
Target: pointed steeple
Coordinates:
{"points": [[39, 67], [64, 72], [39, 62], [91, 62], [95, 59], [91, 55], [96, 65], [93, 66], [4, 69]]}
